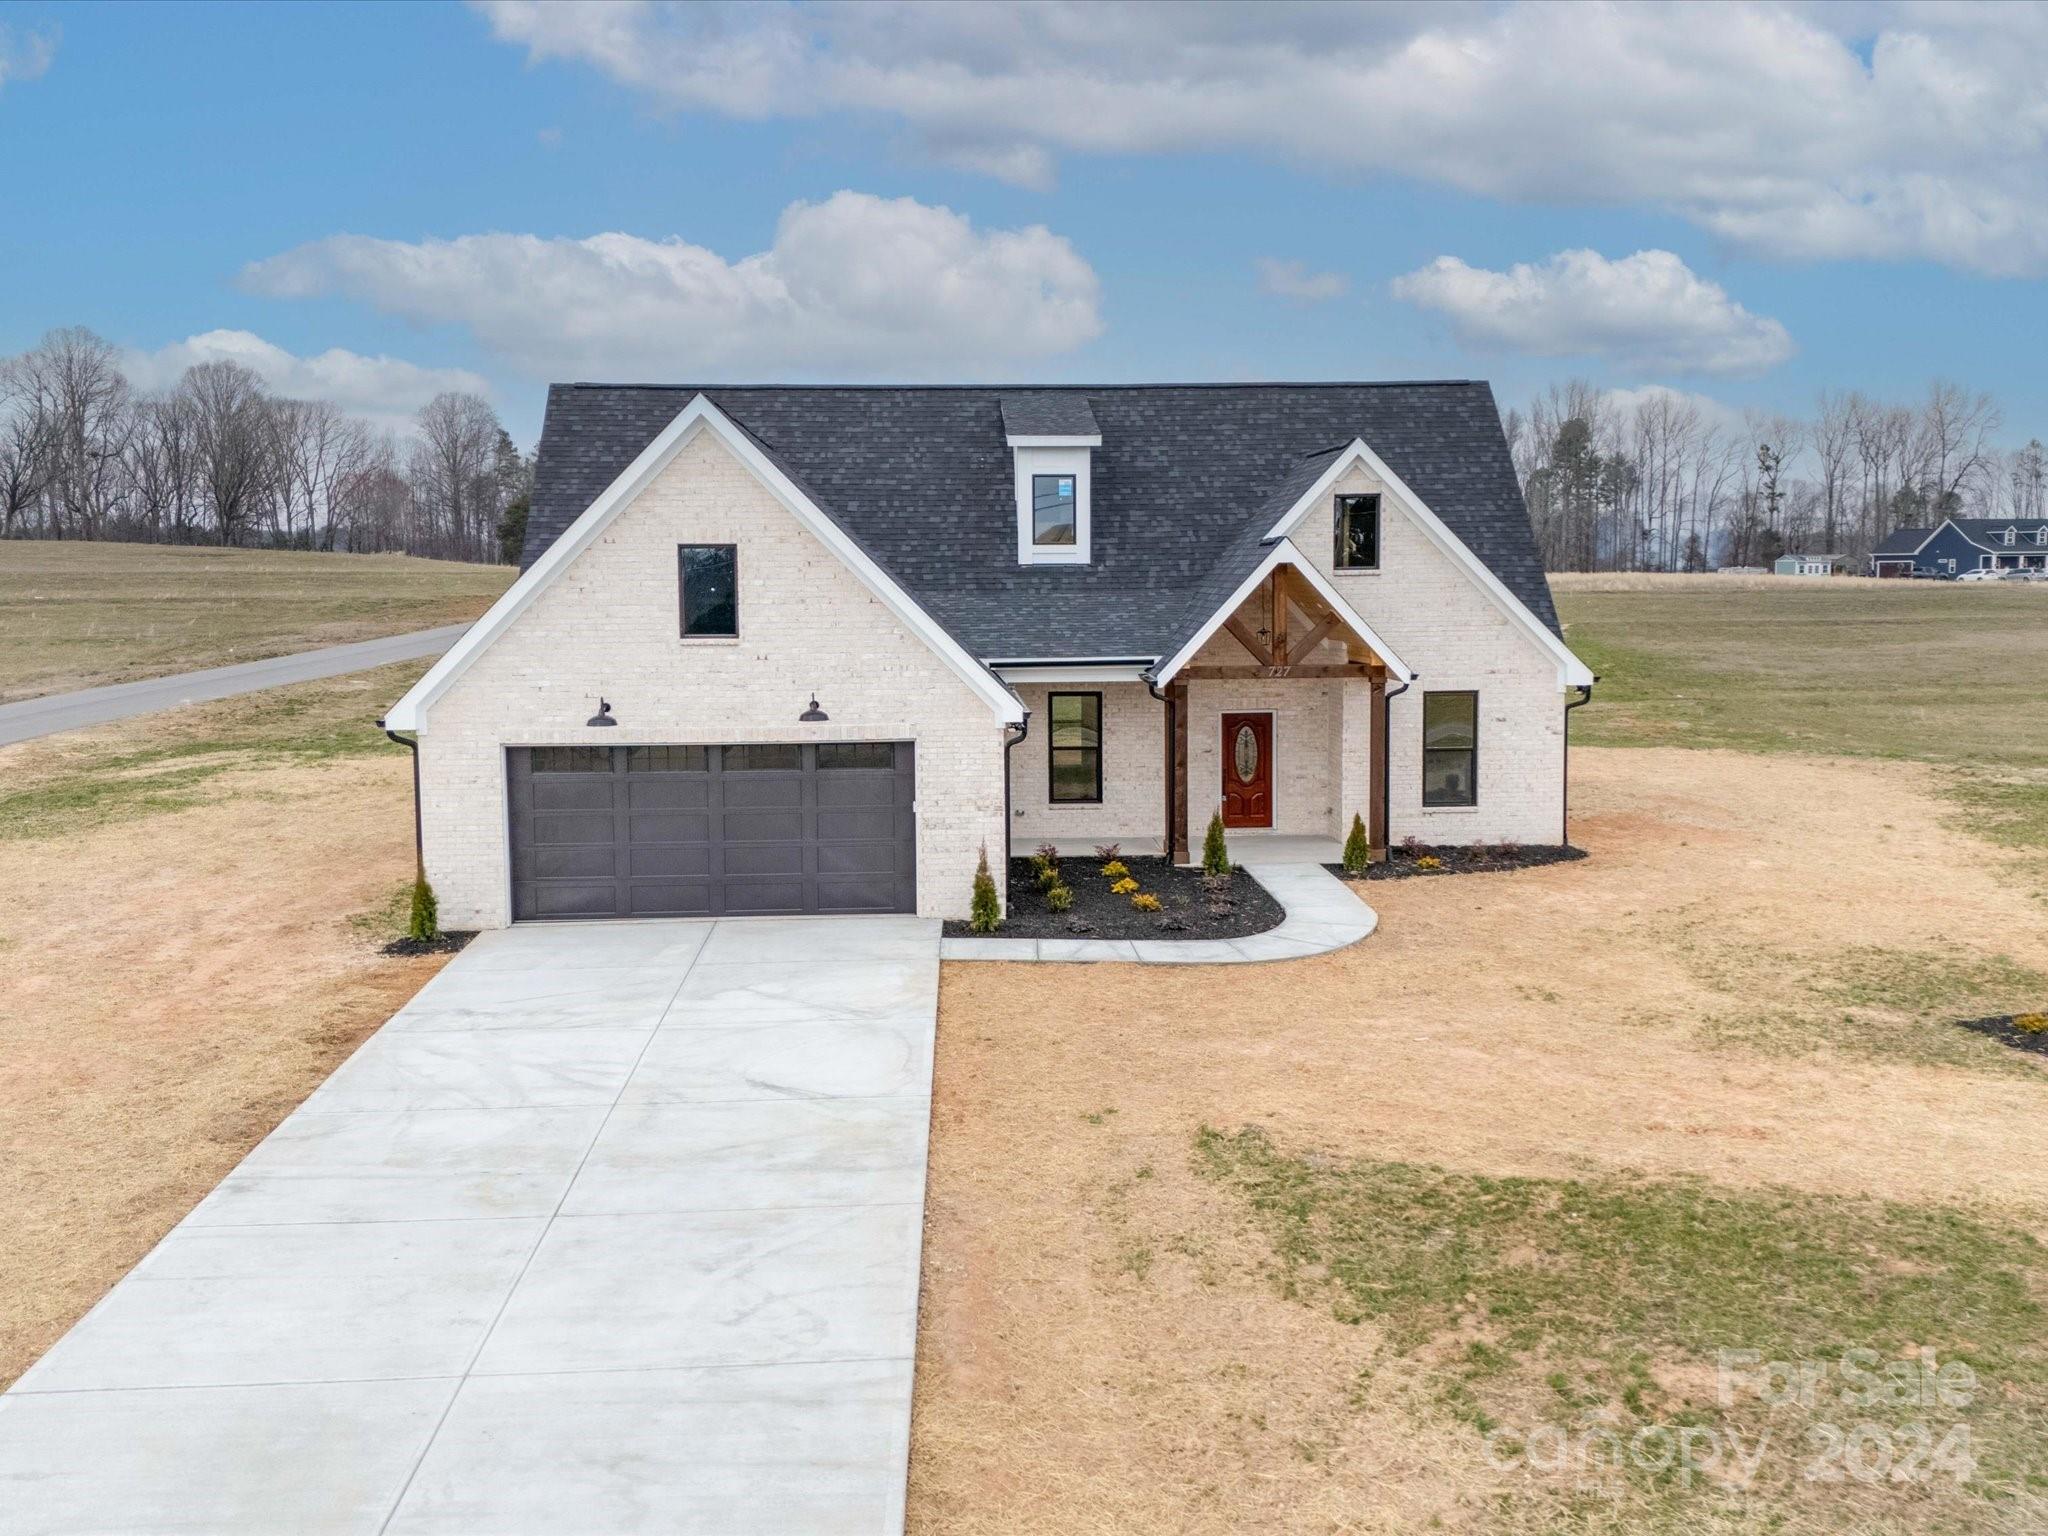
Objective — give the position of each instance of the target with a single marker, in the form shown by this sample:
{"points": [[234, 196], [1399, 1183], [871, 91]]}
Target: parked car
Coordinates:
{"points": [[2025, 575], [1981, 575]]}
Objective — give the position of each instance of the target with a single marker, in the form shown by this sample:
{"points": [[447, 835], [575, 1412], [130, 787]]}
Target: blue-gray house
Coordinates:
{"points": [[1959, 544]]}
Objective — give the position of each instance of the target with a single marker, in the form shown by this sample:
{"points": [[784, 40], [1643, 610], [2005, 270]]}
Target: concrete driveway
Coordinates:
{"points": [[612, 1229]]}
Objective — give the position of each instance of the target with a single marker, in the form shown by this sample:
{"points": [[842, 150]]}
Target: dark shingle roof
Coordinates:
{"points": [[1048, 415], [1902, 541], [1186, 474]]}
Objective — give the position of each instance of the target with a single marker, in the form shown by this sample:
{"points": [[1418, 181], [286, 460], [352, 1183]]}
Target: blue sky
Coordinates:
{"points": [[1005, 193]]}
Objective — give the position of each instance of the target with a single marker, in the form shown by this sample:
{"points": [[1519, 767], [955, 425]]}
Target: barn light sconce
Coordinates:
{"points": [[603, 715], [813, 715]]}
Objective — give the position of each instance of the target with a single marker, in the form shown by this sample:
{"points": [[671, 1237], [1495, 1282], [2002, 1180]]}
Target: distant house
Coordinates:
{"points": [[1958, 544], [1806, 565]]}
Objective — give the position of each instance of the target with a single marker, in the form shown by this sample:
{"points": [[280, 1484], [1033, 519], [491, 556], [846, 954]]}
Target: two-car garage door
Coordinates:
{"points": [[712, 831]]}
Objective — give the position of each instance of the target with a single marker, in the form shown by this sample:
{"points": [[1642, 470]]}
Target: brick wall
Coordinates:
{"points": [[608, 625]]}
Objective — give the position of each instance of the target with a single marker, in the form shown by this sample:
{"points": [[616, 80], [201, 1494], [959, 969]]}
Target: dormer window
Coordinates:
{"points": [[1052, 438], [2041, 534], [2012, 535]]}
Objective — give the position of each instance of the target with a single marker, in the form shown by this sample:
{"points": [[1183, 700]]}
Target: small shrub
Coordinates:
{"points": [[1108, 851], [1429, 861], [1357, 848], [1507, 848], [1215, 851], [1145, 901], [987, 913], [1123, 887], [2031, 1023], [1048, 853], [1058, 898], [423, 922], [1115, 869], [1048, 876], [1412, 845]]}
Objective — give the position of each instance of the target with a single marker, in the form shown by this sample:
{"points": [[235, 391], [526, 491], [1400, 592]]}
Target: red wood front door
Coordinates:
{"points": [[1248, 770]]}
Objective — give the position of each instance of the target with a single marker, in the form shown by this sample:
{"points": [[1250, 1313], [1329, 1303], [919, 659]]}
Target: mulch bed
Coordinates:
{"points": [[443, 944], [1405, 862], [2006, 1032], [1189, 907]]}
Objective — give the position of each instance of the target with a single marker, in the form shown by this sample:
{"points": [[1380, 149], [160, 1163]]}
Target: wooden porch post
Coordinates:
{"points": [[1376, 791], [1177, 779]]}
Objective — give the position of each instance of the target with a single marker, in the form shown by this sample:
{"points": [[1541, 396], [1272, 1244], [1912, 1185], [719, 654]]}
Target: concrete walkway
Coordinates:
{"points": [[96, 706], [1322, 914], [613, 1228]]}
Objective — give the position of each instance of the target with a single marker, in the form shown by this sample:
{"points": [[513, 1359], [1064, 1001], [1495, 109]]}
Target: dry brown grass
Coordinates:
{"points": [[170, 988], [81, 615], [1706, 581], [1102, 1348]]}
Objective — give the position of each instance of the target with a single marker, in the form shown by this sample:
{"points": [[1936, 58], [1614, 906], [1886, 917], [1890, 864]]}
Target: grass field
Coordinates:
{"points": [[80, 615], [1385, 1241]]}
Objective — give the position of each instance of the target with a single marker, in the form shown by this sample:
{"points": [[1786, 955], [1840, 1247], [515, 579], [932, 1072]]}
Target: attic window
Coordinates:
{"points": [[1054, 509]]}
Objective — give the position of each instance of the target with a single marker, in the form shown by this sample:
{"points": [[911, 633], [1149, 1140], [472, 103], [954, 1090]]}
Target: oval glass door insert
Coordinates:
{"points": [[1245, 752]]}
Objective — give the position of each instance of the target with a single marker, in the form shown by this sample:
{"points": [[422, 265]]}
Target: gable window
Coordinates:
{"points": [[1450, 749], [1075, 750], [1358, 533], [1054, 508], [2011, 535], [708, 575]]}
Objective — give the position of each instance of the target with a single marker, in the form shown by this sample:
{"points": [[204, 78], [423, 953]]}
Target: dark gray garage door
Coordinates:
{"points": [[712, 831]]}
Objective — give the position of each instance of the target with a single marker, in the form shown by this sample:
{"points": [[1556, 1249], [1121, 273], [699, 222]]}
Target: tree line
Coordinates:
{"points": [[220, 459], [1661, 482]]}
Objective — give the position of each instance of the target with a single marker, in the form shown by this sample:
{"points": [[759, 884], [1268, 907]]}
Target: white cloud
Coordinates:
{"points": [[1649, 311], [1900, 131], [386, 390], [1293, 280], [26, 55], [853, 286]]}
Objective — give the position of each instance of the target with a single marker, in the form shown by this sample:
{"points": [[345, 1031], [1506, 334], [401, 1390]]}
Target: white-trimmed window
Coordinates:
{"points": [[2012, 536], [1053, 486], [1358, 533]]}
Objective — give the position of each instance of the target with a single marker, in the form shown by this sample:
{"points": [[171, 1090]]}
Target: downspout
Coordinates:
{"points": [[1387, 778], [419, 841], [1166, 842], [1009, 746], [1565, 814]]}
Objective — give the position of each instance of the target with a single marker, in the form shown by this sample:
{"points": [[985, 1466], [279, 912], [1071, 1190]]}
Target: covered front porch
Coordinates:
{"points": [[1272, 713]]}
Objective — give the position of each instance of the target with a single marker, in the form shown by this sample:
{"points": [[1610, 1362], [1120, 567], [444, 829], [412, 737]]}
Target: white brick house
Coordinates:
{"points": [[785, 650]]}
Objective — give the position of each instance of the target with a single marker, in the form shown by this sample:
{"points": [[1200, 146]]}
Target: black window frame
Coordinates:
{"points": [[1074, 503], [1472, 752], [683, 596], [1052, 782], [1338, 545]]}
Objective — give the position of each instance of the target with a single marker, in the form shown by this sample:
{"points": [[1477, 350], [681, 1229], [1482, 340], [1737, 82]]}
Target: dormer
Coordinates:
{"points": [[1052, 440]]}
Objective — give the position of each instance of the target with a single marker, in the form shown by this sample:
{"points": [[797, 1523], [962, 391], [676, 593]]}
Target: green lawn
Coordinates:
{"points": [[81, 615], [1930, 670]]}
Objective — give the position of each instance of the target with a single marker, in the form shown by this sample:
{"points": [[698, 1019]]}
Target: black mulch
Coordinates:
{"points": [[1405, 862], [1190, 906], [2004, 1030], [441, 944]]}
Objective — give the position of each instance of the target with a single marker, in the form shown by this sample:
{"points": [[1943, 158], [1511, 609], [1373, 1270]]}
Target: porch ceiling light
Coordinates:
{"points": [[603, 715], [813, 715]]}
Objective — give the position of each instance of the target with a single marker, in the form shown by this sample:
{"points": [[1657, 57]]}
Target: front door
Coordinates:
{"points": [[1248, 770]]}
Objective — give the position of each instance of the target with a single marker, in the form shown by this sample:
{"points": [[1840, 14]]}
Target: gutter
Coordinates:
{"points": [[1565, 812], [1009, 746], [1387, 778], [1172, 739], [419, 841]]}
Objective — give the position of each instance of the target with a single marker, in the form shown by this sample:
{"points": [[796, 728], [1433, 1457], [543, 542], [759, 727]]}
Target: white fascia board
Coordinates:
{"points": [[1283, 552], [1086, 440], [1571, 672], [1076, 672], [409, 713]]}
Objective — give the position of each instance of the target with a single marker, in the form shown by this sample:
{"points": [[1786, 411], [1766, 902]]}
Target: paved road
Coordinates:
{"points": [[613, 1230], [96, 706]]}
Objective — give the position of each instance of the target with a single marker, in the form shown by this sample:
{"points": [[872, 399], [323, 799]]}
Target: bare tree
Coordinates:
{"points": [[26, 444], [453, 464], [84, 400], [232, 438]]}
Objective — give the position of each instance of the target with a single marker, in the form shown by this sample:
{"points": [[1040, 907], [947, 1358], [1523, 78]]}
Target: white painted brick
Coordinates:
{"points": [[608, 625]]}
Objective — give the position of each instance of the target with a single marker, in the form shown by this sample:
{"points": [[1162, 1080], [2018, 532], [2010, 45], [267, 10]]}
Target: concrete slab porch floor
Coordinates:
{"points": [[613, 1228]]}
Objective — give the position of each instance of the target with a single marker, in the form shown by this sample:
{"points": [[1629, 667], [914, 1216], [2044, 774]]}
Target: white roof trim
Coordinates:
{"points": [[700, 415], [1283, 552], [1043, 440], [1572, 672]]}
